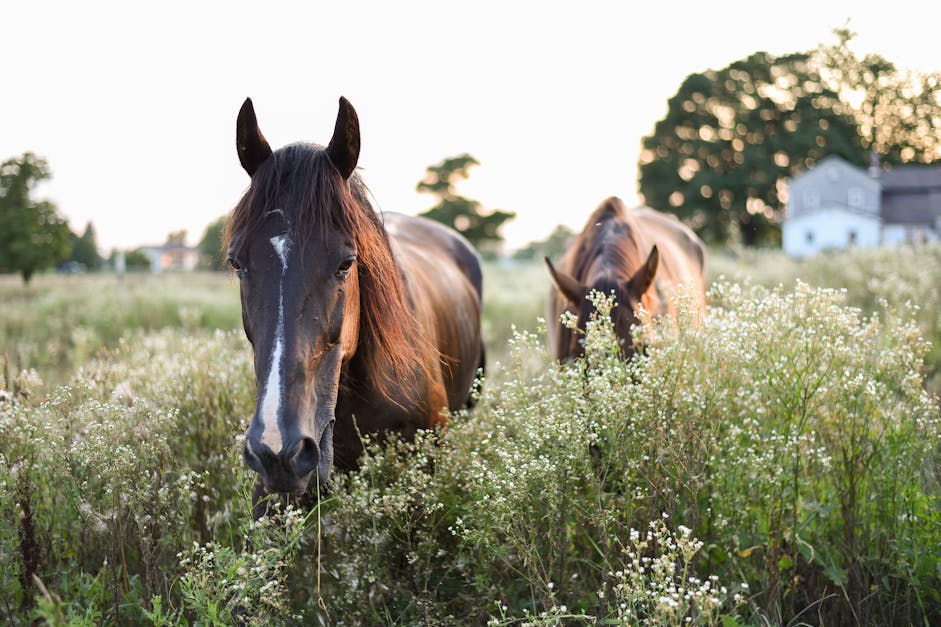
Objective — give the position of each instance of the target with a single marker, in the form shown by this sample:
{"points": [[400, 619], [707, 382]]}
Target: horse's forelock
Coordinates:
{"points": [[611, 241]]}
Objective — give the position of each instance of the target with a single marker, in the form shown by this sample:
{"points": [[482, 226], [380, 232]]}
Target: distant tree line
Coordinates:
{"points": [[35, 237]]}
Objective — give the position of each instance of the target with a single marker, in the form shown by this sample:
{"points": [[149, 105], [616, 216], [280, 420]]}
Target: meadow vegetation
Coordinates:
{"points": [[777, 463]]}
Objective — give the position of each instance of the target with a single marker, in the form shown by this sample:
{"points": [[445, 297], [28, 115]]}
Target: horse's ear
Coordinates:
{"points": [[640, 282], [252, 146], [343, 148], [574, 291]]}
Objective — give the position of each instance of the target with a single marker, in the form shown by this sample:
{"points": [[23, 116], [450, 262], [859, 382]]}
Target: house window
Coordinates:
{"points": [[809, 236], [856, 198], [811, 199]]}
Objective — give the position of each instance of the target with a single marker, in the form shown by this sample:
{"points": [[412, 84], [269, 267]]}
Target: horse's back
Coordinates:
{"points": [[427, 236], [444, 282], [682, 253]]}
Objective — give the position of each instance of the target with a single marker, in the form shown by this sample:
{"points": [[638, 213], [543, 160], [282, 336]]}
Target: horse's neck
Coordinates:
{"points": [[357, 387]]}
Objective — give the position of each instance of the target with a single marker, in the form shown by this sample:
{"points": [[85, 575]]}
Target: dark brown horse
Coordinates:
{"points": [[359, 322], [639, 254]]}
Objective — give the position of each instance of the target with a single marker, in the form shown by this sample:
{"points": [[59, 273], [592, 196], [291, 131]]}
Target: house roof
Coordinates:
{"points": [[829, 181], [921, 207], [911, 195], [911, 178]]}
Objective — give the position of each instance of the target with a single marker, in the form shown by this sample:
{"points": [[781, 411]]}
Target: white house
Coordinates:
{"points": [[836, 205]]}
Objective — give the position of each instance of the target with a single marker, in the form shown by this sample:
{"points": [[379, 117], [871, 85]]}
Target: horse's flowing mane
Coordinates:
{"points": [[603, 241], [301, 177]]}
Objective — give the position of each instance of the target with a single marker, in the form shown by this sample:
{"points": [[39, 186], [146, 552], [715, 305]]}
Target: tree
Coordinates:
{"points": [[33, 236], [731, 138], [176, 238], [85, 248], [898, 112], [210, 246], [134, 259], [462, 214], [553, 246]]}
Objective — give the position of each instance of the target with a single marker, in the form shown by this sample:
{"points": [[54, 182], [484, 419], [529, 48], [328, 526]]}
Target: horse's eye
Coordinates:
{"points": [[235, 265], [345, 266]]}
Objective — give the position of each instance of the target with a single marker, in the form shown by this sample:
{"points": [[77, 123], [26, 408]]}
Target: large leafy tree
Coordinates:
{"points": [[732, 137], [467, 216], [33, 236]]}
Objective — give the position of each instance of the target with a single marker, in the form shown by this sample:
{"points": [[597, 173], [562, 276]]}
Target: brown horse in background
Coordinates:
{"points": [[360, 323], [639, 254]]}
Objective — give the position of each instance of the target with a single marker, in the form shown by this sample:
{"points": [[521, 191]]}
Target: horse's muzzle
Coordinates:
{"points": [[288, 471]]}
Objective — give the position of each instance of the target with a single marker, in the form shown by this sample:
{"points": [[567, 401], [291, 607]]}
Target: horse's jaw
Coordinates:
{"points": [[325, 463]]}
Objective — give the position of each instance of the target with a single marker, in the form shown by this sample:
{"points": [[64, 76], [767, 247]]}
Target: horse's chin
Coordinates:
{"points": [[302, 485], [296, 487]]}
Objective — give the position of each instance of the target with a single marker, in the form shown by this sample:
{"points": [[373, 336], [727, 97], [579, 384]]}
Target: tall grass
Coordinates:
{"points": [[58, 323], [788, 434], [777, 463], [904, 277], [108, 478]]}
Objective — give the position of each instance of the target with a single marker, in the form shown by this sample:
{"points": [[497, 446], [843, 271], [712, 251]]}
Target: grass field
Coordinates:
{"points": [[777, 464]]}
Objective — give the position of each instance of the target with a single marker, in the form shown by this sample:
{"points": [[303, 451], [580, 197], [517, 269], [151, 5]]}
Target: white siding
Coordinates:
{"points": [[895, 234], [828, 229]]}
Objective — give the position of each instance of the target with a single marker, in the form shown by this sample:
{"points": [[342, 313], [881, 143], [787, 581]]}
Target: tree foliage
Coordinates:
{"points": [[210, 246], [732, 137], [176, 238], [465, 215], [898, 112], [136, 260], [553, 246], [33, 236], [85, 248]]}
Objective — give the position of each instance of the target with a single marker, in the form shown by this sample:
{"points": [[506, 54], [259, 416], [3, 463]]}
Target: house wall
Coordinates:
{"points": [[894, 234], [826, 229]]}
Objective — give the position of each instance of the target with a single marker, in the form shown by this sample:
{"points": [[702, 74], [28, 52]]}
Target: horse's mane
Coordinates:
{"points": [[301, 176], [611, 240]]}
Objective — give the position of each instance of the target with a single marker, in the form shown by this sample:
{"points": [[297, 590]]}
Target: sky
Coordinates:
{"points": [[133, 104]]}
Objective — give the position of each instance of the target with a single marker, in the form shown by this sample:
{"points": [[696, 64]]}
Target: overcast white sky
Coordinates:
{"points": [[134, 104]]}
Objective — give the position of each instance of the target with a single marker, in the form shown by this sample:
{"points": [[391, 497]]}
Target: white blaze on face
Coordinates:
{"points": [[271, 400]]}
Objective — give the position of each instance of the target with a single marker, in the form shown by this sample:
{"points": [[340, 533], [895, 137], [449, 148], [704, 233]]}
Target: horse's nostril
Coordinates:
{"points": [[307, 457]]}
